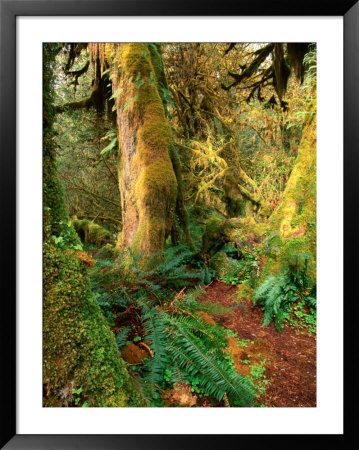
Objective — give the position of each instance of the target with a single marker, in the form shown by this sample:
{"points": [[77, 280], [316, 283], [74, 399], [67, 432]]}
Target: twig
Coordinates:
{"points": [[178, 295], [147, 348]]}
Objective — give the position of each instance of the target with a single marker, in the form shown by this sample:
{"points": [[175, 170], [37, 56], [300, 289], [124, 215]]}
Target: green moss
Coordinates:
{"points": [[245, 291], [148, 171], [294, 220], [238, 231], [79, 350], [153, 137], [222, 264], [91, 232], [181, 209], [155, 185]]}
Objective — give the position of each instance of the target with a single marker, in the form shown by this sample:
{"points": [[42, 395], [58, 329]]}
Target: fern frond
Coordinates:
{"points": [[216, 377], [122, 336], [277, 294], [154, 335]]}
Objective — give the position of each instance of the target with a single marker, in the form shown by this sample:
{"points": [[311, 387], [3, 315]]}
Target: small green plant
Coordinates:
{"points": [[243, 270], [122, 336], [257, 370], [241, 342], [66, 238], [303, 316], [77, 397], [257, 375], [231, 279]]}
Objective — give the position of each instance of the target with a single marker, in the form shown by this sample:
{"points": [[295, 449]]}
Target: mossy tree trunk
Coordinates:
{"points": [[148, 183], [241, 192], [289, 236], [292, 226], [79, 349]]}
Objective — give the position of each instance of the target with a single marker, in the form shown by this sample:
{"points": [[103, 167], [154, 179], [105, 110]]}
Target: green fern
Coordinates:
{"points": [[154, 335], [191, 347], [173, 272], [277, 294], [122, 336], [216, 377], [183, 346]]}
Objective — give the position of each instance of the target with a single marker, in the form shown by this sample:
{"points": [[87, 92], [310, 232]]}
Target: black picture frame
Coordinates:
{"points": [[9, 10]]}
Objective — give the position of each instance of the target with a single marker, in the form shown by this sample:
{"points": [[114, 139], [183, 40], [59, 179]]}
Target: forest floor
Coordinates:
{"points": [[284, 364]]}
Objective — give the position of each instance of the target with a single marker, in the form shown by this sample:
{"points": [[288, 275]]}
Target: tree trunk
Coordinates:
{"points": [[79, 349], [147, 180], [292, 226], [289, 236]]}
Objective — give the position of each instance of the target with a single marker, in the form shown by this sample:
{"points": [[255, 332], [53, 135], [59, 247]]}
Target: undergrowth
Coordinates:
{"points": [[288, 291], [158, 310]]}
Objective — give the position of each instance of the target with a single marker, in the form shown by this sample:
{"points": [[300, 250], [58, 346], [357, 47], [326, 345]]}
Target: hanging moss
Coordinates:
{"points": [[281, 71], [296, 52]]}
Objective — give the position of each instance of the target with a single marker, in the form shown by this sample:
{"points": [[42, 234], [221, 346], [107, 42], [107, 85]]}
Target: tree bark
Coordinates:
{"points": [[79, 349], [293, 223], [147, 180]]}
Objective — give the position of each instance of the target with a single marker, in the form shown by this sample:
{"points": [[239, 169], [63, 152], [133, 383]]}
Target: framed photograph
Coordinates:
{"points": [[173, 180]]}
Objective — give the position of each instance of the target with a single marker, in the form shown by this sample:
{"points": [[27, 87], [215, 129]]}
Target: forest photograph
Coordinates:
{"points": [[179, 224]]}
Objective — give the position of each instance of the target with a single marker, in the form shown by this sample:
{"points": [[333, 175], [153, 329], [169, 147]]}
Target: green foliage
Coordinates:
{"points": [[216, 377], [277, 294], [109, 148], [65, 238], [121, 337], [242, 271], [304, 316], [310, 61], [91, 232], [172, 271], [154, 330], [179, 339], [192, 346], [257, 370], [189, 302]]}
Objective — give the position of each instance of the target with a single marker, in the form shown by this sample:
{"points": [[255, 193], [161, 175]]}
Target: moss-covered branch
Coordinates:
{"points": [[86, 102]]}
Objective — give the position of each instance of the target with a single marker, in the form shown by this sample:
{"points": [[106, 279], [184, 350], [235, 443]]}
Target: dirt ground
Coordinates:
{"points": [[290, 356]]}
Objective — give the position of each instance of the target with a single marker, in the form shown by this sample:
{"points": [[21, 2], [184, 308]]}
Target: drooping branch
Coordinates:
{"points": [[74, 51], [93, 194], [261, 55], [229, 48], [76, 74], [97, 97], [86, 102]]}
